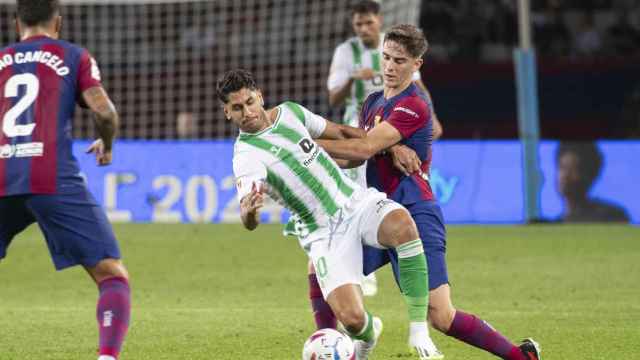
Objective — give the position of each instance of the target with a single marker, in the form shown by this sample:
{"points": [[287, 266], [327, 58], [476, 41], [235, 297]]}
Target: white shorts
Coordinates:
{"points": [[336, 249]]}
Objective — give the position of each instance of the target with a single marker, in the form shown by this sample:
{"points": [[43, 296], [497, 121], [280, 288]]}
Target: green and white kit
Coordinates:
{"points": [[329, 208]]}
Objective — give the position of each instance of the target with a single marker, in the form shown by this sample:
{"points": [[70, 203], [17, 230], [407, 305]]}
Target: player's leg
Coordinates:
{"points": [[322, 313], [442, 314], [78, 233], [338, 266], [114, 305], [398, 231], [14, 217]]}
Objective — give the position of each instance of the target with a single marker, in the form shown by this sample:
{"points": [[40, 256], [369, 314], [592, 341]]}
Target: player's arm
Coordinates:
{"points": [[341, 77], [333, 131], [250, 175], [106, 120], [250, 205], [381, 137], [437, 126]]}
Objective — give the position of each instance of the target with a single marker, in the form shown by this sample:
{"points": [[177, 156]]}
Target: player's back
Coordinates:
{"points": [[40, 80]]}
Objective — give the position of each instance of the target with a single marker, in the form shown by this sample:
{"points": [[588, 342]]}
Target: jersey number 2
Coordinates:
{"points": [[32, 85]]}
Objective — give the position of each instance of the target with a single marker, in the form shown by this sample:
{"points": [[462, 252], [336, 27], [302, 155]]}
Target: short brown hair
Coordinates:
{"points": [[410, 37], [365, 7]]}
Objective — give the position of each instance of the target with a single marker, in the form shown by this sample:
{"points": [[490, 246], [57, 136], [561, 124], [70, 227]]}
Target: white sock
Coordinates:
{"points": [[106, 357], [418, 328]]}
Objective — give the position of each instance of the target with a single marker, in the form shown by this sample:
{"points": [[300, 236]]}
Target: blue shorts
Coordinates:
{"points": [[428, 218], [74, 225]]}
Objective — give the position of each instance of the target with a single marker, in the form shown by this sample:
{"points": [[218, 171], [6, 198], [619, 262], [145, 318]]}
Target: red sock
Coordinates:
{"points": [[113, 312], [475, 331], [322, 312]]}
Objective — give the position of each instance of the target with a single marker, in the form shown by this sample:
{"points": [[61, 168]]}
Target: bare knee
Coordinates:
{"points": [[352, 317], [108, 268], [441, 318], [441, 310], [397, 228]]}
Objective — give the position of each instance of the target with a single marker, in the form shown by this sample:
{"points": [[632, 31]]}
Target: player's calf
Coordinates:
{"points": [[114, 306]]}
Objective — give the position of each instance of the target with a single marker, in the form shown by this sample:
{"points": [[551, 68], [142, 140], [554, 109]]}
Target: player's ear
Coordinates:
{"points": [[418, 63], [260, 97], [58, 25], [226, 112], [17, 26]]}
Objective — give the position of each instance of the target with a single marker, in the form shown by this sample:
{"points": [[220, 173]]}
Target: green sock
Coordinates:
{"points": [[413, 279], [366, 334]]}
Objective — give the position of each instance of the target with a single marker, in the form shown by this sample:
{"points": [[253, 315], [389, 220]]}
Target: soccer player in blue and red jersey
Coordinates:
{"points": [[41, 79], [400, 114]]}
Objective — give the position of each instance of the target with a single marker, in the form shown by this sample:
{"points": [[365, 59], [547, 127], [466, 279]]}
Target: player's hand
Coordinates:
{"points": [[103, 156], [364, 74], [405, 159], [253, 201]]}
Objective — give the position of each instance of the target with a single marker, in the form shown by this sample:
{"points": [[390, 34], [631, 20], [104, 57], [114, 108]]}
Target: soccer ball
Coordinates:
{"points": [[328, 344]]}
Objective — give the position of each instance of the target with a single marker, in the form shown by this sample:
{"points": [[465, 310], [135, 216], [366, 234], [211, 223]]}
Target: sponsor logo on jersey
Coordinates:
{"points": [[405, 110], [21, 150]]}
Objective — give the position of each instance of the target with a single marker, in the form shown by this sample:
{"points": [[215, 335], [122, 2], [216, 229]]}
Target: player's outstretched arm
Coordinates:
{"points": [[249, 206], [381, 137], [107, 121], [333, 131]]}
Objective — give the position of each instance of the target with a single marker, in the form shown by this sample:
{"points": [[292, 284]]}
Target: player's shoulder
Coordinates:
{"points": [[413, 104], [347, 45], [374, 96]]}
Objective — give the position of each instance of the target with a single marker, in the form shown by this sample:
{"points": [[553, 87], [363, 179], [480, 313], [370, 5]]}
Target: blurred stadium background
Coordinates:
{"points": [[159, 61]]}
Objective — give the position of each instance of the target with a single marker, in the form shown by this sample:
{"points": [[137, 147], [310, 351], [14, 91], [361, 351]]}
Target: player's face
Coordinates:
{"points": [[367, 27], [398, 65], [245, 109]]}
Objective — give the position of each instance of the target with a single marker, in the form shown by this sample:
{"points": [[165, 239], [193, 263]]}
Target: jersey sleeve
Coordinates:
{"points": [[340, 71], [408, 116], [88, 72], [314, 123], [247, 171]]}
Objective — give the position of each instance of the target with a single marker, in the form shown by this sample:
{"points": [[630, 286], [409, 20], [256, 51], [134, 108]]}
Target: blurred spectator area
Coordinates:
{"points": [[588, 55]]}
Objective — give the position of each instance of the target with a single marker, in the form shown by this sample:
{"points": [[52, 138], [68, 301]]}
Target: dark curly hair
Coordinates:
{"points": [[232, 81]]}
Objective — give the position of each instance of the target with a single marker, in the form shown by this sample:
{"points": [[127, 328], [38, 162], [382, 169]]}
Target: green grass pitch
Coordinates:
{"points": [[220, 292]]}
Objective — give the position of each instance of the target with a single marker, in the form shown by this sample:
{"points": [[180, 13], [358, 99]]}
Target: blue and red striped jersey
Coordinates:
{"points": [[410, 113], [40, 81]]}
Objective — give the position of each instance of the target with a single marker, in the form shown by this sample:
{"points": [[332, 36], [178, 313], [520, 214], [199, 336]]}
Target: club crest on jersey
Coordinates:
{"points": [[275, 150]]}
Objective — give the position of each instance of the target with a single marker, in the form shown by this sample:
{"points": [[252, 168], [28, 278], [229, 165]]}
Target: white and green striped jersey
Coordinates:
{"points": [[292, 168]]}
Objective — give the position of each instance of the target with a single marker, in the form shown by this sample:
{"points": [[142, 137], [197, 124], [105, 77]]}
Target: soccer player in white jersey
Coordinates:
{"points": [[355, 74], [275, 154]]}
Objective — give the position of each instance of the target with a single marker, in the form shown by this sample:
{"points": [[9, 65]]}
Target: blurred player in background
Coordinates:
{"points": [[41, 78], [401, 113], [275, 154], [355, 73]]}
